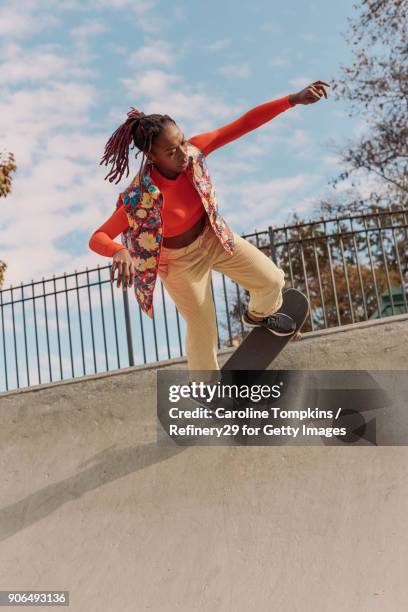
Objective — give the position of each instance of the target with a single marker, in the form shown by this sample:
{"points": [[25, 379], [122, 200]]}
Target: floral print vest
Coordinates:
{"points": [[144, 236]]}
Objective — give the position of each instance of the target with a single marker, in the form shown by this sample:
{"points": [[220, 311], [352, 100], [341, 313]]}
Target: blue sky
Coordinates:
{"points": [[70, 70]]}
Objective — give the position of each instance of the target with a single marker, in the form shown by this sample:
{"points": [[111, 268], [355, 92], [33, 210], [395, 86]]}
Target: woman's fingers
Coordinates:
{"points": [[126, 275], [125, 269], [319, 86], [316, 93], [120, 268], [131, 274], [313, 92], [119, 278], [113, 271]]}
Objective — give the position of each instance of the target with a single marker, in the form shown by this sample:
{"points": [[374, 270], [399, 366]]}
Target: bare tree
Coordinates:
{"points": [[377, 86]]}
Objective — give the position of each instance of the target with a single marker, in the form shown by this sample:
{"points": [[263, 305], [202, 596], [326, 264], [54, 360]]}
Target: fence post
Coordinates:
{"points": [[272, 244], [128, 326]]}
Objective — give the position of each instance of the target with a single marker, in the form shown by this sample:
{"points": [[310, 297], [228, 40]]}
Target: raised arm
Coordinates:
{"points": [[101, 240], [209, 141]]}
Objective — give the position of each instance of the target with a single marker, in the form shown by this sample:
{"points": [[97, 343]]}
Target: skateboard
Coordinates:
{"points": [[261, 346]]}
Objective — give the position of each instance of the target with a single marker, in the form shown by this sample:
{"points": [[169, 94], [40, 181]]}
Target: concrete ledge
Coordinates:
{"points": [[380, 344], [359, 325]]}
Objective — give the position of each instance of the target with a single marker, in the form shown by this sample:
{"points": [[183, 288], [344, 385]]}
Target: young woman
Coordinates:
{"points": [[170, 225]]}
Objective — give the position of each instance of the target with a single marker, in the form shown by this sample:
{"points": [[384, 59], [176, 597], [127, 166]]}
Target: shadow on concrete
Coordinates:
{"points": [[112, 464]]}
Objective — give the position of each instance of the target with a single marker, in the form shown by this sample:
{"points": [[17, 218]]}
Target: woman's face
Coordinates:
{"points": [[169, 151]]}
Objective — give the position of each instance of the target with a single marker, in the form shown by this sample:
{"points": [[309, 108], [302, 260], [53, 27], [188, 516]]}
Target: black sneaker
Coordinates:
{"points": [[278, 323]]}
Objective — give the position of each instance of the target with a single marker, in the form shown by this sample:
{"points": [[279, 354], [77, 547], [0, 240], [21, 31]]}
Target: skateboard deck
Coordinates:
{"points": [[261, 346]]}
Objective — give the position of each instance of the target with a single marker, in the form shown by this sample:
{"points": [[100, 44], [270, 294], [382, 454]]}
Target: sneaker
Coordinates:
{"points": [[278, 323]]}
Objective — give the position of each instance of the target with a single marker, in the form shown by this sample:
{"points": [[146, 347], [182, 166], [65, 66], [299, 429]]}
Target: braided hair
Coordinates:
{"points": [[142, 129]]}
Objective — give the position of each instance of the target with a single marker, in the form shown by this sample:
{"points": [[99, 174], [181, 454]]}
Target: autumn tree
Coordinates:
{"points": [[345, 264], [7, 166]]}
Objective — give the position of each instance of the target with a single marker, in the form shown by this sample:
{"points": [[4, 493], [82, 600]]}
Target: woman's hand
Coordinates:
{"points": [[122, 261], [310, 94]]}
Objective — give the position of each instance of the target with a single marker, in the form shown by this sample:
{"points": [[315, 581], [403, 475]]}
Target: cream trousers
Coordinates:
{"points": [[186, 275]]}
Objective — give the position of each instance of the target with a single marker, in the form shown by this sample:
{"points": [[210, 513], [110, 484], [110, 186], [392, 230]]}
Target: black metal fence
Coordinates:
{"points": [[352, 268]]}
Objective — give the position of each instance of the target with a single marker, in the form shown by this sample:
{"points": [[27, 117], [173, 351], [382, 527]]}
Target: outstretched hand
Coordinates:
{"points": [[310, 94]]}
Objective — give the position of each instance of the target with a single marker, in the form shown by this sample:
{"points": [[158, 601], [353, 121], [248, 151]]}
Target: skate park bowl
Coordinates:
{"points": [[93, 505]]}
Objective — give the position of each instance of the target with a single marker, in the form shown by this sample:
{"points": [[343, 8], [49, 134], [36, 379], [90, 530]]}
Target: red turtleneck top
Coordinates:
{"points": [[182, 205]]}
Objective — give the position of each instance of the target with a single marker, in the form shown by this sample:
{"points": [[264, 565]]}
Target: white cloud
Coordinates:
{"points": [[36, 65], [276, 134], [252, 149], [267, 191], [249, 203], [360, 129], [82, 36], [142, 10], [58, 105], [230, 167], [138, 6], [152, 83], [306, 205], [75, 145], [339, 113], [299, 140], [58, 166], [219, 45], [236, 71], [278, 61], [40, 201], [331, 160], [168, 93], [362, 184], [21, 19], [301, 82], [119, 49], [157, 52], [87, 29]]}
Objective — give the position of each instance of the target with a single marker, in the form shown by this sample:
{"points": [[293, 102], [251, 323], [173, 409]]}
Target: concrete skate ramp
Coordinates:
{"points": [[91, 504]]}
